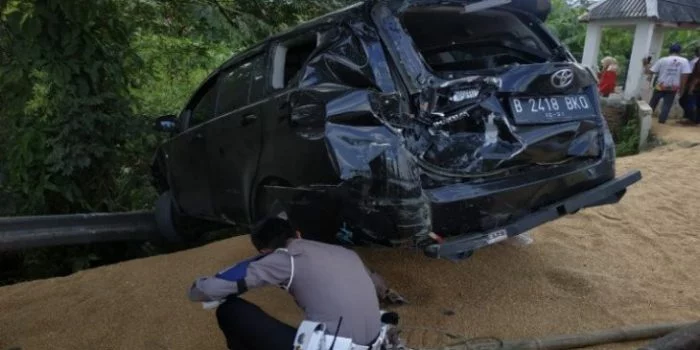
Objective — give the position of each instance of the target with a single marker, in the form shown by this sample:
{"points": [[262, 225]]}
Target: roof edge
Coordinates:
{"points": [[592, 7], [651, 12], [652, 8], [584, 18]]}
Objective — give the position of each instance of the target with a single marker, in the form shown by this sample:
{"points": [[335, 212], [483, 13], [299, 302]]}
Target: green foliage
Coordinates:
{"points": [[80, 84], [563, 22], [628, 138], [70, 72]]}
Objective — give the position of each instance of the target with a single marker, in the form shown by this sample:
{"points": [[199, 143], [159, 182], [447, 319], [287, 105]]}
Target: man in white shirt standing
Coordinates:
{"points": [[672, 74]]}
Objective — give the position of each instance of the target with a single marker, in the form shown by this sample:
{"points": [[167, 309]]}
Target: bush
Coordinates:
{"points": [[627, 143]]}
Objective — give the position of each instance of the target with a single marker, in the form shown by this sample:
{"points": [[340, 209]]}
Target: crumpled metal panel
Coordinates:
{"points": [[476, 138], [346, 101], [388, 148]]}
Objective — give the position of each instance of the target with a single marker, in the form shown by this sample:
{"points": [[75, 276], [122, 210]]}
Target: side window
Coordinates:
{"points": [[290, 57], [258, 82], [204, 109], [241, 85]]}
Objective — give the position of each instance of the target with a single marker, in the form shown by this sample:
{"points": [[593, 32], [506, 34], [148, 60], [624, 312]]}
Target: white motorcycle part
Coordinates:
{"points": [[313, 336], [310, 336], [208, 305]]}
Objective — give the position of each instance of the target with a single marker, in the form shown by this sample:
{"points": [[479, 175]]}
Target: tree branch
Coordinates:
{"points": [[222, 11]]}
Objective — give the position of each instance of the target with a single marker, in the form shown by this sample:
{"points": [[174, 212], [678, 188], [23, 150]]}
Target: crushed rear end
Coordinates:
{"points": [[494, 130], [507, 130]]}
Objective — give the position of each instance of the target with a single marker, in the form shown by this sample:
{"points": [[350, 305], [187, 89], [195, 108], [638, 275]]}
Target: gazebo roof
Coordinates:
{"points": [[670, 11]]}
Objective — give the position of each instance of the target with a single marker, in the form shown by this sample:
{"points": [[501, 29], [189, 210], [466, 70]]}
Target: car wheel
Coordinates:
{"points": [[166, 218], [461, 256], [176, 228]]}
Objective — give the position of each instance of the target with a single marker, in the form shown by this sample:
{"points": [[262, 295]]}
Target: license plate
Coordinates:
{"points": [[551, 109], [497, 236]]}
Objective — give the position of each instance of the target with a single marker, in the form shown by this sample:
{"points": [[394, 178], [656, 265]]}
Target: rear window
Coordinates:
{"points": [[450, 40]]}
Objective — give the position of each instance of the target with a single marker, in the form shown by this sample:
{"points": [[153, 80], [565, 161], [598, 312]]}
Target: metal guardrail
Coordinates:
{"points": [[22, 232]]}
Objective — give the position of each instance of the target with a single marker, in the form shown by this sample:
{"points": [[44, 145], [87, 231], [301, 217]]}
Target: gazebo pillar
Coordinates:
{"points": [[657, 43], [643, 38], [657, 51], [591, 49]]}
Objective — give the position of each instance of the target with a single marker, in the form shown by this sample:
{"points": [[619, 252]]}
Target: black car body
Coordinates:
{"points": [[447, 125]]}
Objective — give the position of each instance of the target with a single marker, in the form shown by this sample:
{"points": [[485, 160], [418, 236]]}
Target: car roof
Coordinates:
{"points": [[260, 46], [293, 31]]}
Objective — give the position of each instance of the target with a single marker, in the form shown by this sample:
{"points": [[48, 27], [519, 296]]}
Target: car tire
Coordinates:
{"points": [[176, 227], [167, 219], [461, 256]]}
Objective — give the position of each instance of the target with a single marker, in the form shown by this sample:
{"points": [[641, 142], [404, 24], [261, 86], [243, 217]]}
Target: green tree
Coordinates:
{"points": [[70, 100], [81, 80], [563, 22]]}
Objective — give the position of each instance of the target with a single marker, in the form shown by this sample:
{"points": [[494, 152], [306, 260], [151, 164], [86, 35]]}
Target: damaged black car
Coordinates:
{"points": [[439, 125]]}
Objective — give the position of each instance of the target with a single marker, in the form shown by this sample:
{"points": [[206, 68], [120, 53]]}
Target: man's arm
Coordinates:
{"points": [[272, 269], [384, 293], [648, 68], [379, 284]]}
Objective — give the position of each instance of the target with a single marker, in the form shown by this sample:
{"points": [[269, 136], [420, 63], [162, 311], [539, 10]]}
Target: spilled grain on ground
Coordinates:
{"points": [[635, 262]]}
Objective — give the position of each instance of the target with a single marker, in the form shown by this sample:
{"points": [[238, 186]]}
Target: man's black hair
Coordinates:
{"points": [[675, 48], [272, 233]]}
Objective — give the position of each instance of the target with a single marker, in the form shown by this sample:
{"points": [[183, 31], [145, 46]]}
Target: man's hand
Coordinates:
{"points": [[393, 297], [384, 293]]}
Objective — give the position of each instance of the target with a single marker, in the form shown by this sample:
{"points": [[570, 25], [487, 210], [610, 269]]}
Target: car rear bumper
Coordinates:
{"points": [[481, 206], [608, 192]]}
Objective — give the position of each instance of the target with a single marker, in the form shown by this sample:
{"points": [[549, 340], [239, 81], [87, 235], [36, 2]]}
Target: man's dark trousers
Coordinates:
{"points": [[691, 106], [668, 97], [247, 327]]}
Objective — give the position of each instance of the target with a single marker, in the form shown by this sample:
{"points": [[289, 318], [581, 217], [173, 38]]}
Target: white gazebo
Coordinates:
{"points": [[649, 18]]}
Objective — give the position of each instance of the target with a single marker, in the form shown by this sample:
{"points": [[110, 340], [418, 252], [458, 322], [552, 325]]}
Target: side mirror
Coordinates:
{"points": [[166, 123]]}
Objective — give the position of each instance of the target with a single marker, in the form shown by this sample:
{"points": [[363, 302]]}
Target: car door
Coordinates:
{"points": [[187, 161], [236, 136], [290, 152]]}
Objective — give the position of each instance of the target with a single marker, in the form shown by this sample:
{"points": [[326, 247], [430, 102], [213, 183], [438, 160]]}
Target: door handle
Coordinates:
{"points": [[248, 119]]}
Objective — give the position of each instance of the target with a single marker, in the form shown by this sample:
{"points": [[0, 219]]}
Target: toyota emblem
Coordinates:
{"points": [[561, 79]]}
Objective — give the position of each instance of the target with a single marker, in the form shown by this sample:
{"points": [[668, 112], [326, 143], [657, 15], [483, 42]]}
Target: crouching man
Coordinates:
{"points": [[327, 281]]}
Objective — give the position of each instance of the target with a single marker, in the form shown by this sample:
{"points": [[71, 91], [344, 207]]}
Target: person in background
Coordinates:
{"points": [[672, 75], [688, 97], [696, 56], [607, 78], [691, 103]]}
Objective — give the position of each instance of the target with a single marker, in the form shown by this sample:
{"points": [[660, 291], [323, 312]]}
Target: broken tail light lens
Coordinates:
{"points": [[462, 95]]}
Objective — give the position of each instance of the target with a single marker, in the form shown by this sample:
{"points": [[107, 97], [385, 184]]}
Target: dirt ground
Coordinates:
{"points": [[631, 263], [672, 132]]}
